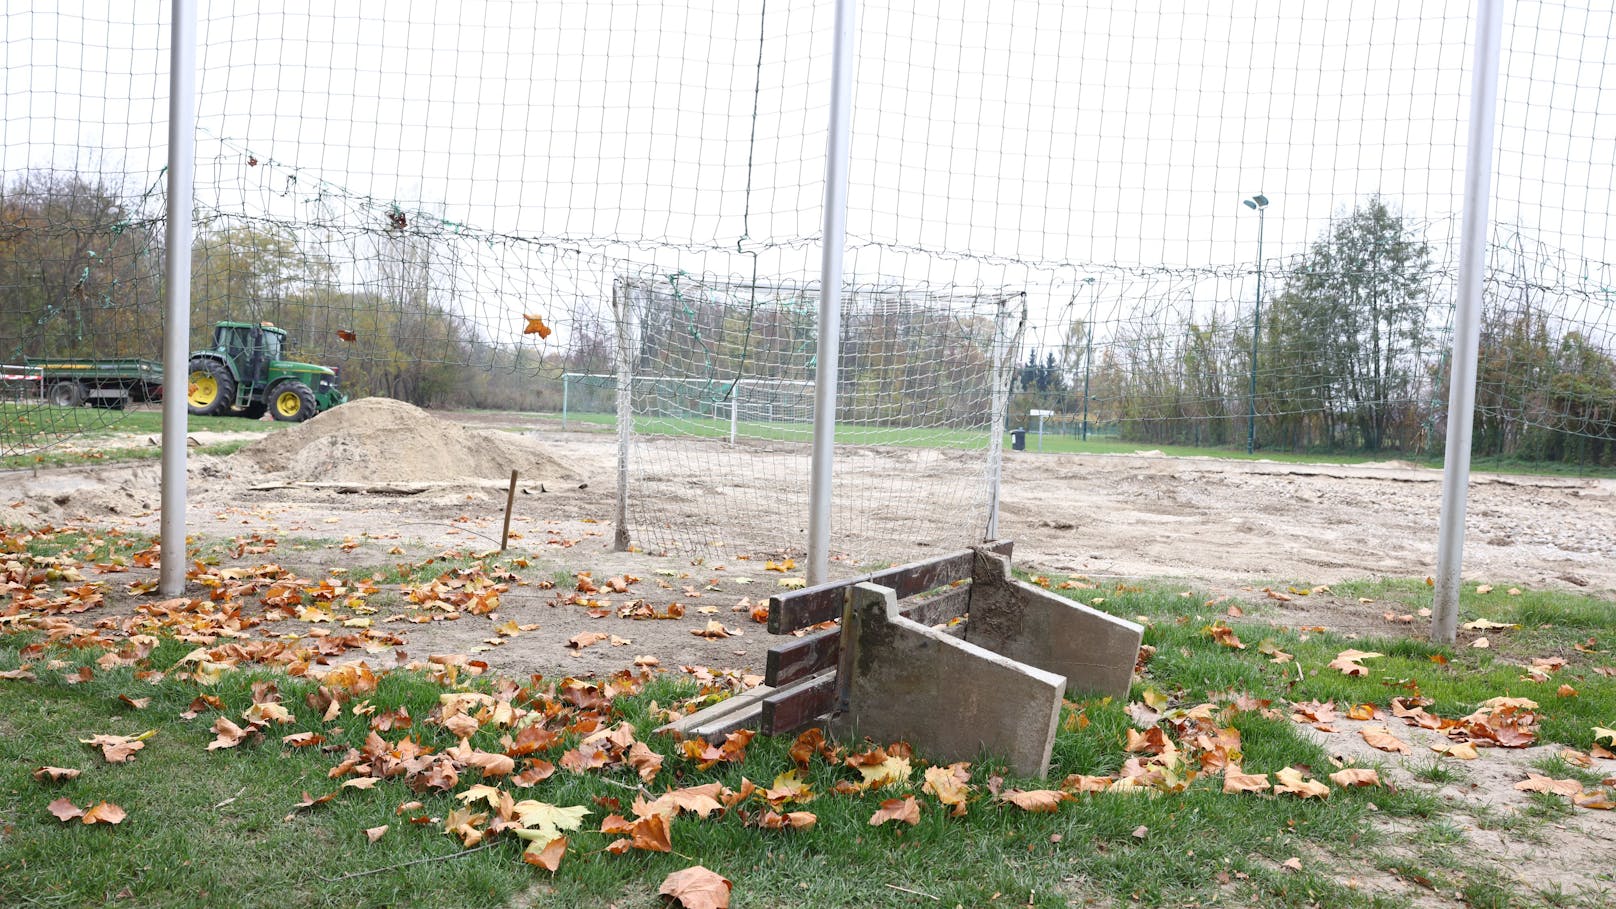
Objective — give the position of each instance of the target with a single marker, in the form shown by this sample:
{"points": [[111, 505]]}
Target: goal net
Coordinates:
{"points": [[722, 379]]}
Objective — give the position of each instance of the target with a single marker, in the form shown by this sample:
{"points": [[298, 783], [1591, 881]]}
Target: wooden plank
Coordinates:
{"points": [[801, 657], [810, 606], [804, 656], [790, 709]]}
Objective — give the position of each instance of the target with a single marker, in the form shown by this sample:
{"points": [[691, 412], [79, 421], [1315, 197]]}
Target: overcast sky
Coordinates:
{"points": [[1011, 142]]}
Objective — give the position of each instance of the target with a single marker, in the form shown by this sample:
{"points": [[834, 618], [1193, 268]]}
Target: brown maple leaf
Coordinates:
{"points": [[1038, 801], [905, 809], [697, 888]]}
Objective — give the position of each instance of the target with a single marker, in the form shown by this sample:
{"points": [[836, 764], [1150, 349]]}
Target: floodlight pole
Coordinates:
{"points": [[837, 152], [177, 294], [1260, 203], [1467, 322]]}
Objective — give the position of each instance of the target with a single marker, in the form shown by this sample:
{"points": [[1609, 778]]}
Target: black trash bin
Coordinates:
{"points": [[1018, 439]]}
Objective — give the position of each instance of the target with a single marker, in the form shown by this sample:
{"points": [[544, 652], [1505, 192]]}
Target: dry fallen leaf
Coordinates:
{"points": [[1038, 801], [372, 834], [103, 813], [64, 809], [1380, 737], [1463, 751], [1349, 660], [56, 774], [584, 639], [1538, 783], [950, 785], [547, 856], [1355, 776], [1291, 780], [905, 809], [697, 888], [1237, 780]]}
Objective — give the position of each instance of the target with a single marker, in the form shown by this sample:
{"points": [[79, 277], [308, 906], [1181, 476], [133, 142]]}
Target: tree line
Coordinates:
{"points": [[1350, 351], [1349, 358]]}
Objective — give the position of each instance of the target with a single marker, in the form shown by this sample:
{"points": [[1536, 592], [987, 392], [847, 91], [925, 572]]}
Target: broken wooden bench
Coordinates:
{"points": [[898, 665]]}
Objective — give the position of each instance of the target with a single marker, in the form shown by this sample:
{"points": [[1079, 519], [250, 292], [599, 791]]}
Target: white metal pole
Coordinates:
{"points": [[1467, 321], [837, 151], [177, 295], [734, 404], [564, 402]]}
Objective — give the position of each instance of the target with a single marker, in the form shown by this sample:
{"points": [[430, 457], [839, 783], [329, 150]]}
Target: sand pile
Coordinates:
{"points": [[380, 440]]}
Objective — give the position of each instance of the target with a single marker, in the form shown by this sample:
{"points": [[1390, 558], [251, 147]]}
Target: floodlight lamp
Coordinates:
{"points": [[1248, 203]]}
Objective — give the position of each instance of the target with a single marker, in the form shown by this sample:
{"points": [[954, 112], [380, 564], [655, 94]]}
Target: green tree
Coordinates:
{"points": [[1348, 327], [79, 269]]}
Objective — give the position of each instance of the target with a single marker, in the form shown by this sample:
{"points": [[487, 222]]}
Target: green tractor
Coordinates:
{"points": [[243, 375]]}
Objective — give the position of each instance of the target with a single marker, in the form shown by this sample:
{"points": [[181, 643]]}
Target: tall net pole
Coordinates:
{"points": [[837, 152], [1467, 322], [177, 298]]}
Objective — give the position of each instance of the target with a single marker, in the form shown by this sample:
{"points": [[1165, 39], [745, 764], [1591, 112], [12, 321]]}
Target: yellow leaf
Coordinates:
{"points": [[1291, 780], [536, 326], [1463, 751], [950, 785]]}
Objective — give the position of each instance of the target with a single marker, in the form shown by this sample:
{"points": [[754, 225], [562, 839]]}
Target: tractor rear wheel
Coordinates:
{"points": [[211, 391], [292, 402]]}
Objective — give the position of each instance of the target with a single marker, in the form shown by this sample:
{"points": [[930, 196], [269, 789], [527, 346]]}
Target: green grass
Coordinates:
{"points": [[711, 428], [38, 427], [211, 827]]}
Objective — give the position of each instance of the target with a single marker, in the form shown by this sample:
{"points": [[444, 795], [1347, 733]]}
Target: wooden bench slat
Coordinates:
{"points": [[790, 709], [810, 606], [804, 656]]}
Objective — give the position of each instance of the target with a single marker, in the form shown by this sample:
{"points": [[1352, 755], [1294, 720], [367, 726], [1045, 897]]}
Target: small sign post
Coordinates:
{"points": [[1040, 414]]}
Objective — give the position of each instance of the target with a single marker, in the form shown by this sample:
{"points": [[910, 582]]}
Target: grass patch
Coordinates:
{"points": [[209, 827]]}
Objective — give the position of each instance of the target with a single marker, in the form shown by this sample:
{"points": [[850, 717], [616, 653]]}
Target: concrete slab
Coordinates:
{"points": [[951, 699], [1094, 651]]}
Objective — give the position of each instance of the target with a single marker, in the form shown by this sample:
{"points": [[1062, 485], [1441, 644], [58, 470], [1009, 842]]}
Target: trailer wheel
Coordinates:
{"points": [[292, 402], [67, 394], [254, 411], [211, 390]]}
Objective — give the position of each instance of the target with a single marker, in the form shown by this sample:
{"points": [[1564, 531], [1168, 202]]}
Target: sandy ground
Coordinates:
{"points": [[390, 484]]}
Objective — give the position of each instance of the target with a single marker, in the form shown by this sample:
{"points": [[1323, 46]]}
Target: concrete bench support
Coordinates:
{"points": [[1095, 652], [951, 699]]}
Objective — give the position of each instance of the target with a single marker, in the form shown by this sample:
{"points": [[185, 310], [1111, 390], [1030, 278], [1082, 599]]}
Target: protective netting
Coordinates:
{"points": [[403, 186]]}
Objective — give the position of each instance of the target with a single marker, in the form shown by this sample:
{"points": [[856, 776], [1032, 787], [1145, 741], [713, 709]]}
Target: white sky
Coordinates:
{"points": [[1026, 142]]}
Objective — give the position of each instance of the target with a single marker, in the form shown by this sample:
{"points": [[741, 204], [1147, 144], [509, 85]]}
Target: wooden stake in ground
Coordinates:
{"points": [[510, 502]]}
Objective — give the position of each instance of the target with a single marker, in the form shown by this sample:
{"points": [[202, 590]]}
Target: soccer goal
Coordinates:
{"points": [[715, 408]]}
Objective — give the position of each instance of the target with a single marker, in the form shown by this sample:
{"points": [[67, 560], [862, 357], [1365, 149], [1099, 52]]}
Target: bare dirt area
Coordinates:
{"points": [[378, 483]]}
